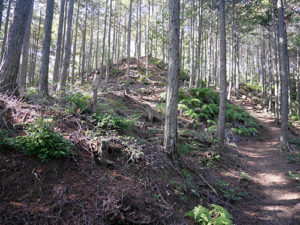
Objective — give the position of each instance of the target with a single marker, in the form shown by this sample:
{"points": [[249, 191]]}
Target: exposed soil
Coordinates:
{"points": [[273, 198]]}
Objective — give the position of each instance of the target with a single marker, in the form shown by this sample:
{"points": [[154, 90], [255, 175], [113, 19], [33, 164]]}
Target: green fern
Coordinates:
{"points": [[216, 216]]}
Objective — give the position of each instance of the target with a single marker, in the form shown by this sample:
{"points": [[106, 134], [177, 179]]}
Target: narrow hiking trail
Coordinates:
{"points": [[273, 199]]}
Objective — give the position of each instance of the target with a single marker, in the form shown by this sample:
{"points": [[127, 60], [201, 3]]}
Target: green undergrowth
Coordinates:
{"points": [[108, 118], [253, 88], [214, 215], [75, 102], [202, 104], [41, 140], [294, 177], [114, 122], [294, 156], [230, 192]]}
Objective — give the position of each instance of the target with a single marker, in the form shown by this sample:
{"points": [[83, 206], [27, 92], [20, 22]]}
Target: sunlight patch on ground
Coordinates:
{"points": [[271, 178], [284, 211], [289, 196]]}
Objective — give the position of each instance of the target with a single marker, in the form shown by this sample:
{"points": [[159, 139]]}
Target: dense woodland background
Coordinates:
{"points": [[181, 64]]}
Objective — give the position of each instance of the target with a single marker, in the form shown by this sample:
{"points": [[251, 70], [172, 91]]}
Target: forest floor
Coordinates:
{"points": [[273, 198], [142, 186]]}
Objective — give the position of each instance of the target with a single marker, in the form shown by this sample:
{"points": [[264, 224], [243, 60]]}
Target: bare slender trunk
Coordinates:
{"points": [[43, 78], [223, 94], [5, 28], [83, 44], [1, 11], [96, 81], [58, 45], [108, 50], [284, 76], [270, 70], [128, 43], [66, 61], [170, 132], [75, 45], [25, 51]]}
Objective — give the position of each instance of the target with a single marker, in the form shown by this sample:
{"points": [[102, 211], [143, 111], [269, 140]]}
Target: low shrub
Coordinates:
{"points": [[230, 192], [77, 101], [42, 140], [183, 75], [3, 137], [202, 104], [110, 121]]}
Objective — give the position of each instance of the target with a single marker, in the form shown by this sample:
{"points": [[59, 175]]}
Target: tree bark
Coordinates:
{"points": [[96, 81], [35, 51], [108, 50], [270, 70], [43, 78], [6, 28], [298, 81], [75, 45], [66, 60], [1, 11], [25, 51], [83, 44], [11, 59], [284, 77], [170, 131], [58, 45], [147, 40], [140, 34], [223, 94], [128, 43]]}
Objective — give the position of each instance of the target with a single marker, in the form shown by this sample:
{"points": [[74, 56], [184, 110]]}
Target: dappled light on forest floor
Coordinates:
{"points": [[273, 198]]}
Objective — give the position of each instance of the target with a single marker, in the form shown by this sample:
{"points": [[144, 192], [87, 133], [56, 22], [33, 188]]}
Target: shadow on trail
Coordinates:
{"points": [[273, 199]]}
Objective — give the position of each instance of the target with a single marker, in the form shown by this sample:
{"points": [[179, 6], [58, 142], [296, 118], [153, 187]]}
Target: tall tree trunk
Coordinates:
{"points": [[147, 40], [237, 59], [216, 57], [139, 35], [83, 44], [192, 70], [170, 131], [25, 51], [89, 64], [11, 59], [263, 66], [284, 77], [232, 74], [270, 70], [114, 41], [119, 44], [66, 61], [1, 11], [75, 45], [199, 46], [35, 52], [58, 45], [247, 63], [96, 81], [43, 78], [64, 31], [223, 94], [6, 28], [98, 39], [298, 81], [108, 49], [128, 43]]}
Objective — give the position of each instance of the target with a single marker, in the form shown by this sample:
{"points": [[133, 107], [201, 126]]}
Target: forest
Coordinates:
{"points": [[150, 112]]}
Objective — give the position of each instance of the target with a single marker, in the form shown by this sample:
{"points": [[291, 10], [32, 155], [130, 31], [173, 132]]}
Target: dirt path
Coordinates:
{"points": [[273, 199]]}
